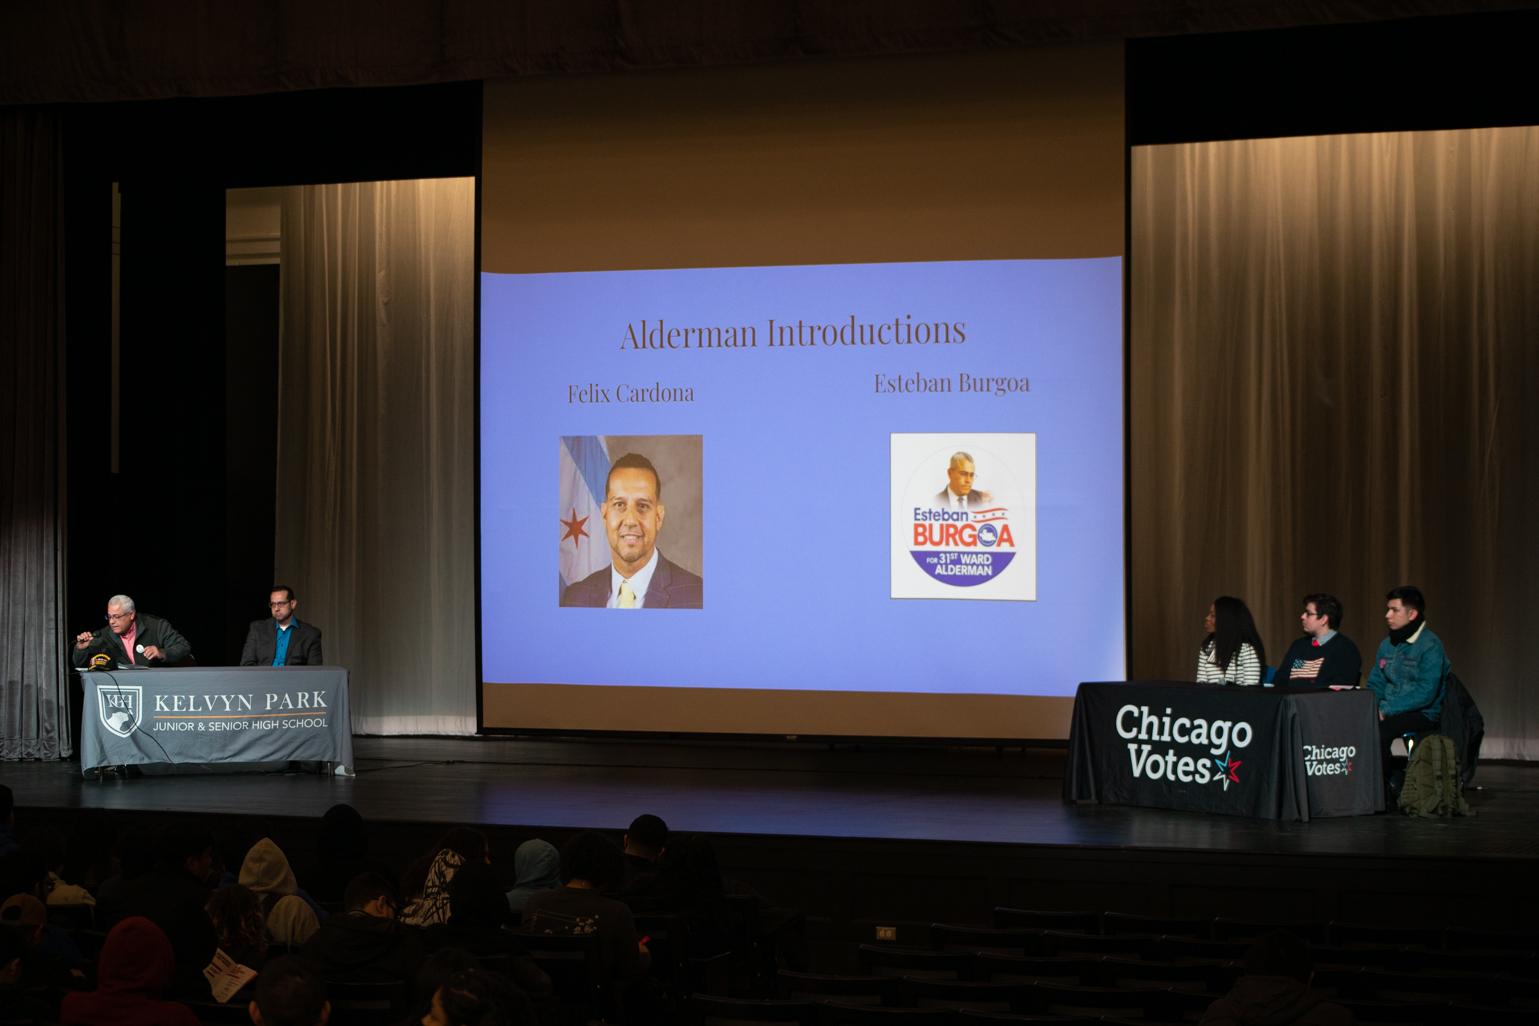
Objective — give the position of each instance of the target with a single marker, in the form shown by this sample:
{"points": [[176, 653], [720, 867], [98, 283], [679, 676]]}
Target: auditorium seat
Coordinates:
{"points": [[711, 974], [882, 960], [955, 937], [851, 990], [986, 995], [710, 1010], [573, 964], [968, 1016], [1122, 922], [1068, 942], [1486, 989], [1486, 1016], [1389, 956], [1057, 999], [1024, 968], [1462, 939], [1386, 1012], [1081, 921], [1248, 930], [1508, 963], [836, 1013], [669, 944], [1344, 935], [365, 1004], [1209, 977], [1171, 947], [212, 1013], [1337, 979]]}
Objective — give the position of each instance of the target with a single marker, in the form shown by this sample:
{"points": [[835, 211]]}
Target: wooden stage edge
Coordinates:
{"points": [[870, 834]]}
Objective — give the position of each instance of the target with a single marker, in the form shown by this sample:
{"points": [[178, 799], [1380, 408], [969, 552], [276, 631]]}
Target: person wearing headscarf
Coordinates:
{"points": [[134, 969], [536, 868]]}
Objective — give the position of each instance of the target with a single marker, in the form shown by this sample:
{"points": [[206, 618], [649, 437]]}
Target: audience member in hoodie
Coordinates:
{"points": [[292, 918], [428, 882], [1275, 989], [289, 993], [133, 974], [536, 868], [366, 943]]}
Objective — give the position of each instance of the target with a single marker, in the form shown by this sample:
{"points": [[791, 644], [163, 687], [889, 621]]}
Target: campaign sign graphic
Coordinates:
{"points": [[964, 516]]}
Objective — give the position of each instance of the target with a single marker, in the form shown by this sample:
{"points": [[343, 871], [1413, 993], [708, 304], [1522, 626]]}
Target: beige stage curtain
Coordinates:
{"points": [[1334, 361], [376, 522]]}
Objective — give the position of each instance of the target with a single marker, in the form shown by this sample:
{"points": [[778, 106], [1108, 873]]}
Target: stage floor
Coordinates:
{"points": [[969, 795]]}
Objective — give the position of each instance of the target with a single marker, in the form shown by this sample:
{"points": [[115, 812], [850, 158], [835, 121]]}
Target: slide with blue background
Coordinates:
{"points": [[812, 427]]}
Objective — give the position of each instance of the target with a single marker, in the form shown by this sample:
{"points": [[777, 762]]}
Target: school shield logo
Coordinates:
{"points": [[121, 707]]}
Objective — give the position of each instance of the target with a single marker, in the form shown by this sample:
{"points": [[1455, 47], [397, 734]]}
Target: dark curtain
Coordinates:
{"points": [[34, 702], [82, 50], [1333, 355]]}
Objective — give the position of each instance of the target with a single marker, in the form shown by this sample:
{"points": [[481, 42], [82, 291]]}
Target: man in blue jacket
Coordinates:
{"points": [[1408, 670]]}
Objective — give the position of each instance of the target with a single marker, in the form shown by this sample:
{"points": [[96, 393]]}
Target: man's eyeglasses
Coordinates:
{"points": [[115, 617]]}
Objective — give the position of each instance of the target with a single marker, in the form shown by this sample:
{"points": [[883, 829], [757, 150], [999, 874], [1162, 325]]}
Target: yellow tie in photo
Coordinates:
{"points": [[627, 597]]}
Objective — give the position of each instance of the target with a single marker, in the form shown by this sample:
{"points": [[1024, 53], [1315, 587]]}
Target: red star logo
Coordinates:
{"points": [[1234, 764], [574, 529]]}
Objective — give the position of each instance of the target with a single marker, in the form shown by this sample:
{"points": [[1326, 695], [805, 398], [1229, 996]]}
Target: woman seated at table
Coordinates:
{"points": [[1232, 652]]}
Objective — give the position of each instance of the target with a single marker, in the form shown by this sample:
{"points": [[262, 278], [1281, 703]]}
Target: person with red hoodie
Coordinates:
{"points": [[134, 968]]}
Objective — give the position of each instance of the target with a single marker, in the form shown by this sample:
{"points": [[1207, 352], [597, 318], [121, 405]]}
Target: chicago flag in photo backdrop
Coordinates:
{"points": [[584, 469]]}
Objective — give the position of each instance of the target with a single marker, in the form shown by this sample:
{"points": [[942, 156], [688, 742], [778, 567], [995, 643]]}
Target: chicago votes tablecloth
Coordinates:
{"points": [[1275, 753]]}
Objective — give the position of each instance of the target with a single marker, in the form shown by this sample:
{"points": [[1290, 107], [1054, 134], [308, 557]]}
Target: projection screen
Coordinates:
{"points": [[801, 398]]}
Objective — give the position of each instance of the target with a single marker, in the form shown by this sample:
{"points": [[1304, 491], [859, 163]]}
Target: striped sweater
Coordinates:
{"points": [[1244, 668]]}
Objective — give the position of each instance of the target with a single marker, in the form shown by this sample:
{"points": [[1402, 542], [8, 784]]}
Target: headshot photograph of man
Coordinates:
{"points": [[959, 492], [639, 575]]}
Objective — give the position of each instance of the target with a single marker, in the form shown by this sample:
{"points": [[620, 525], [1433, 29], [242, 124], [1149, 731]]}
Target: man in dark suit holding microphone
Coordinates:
{"points": [[282, 639], [132, 638]]}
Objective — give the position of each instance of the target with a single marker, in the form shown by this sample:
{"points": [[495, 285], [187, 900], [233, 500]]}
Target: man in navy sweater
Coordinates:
{"points": [[1323, 656]]}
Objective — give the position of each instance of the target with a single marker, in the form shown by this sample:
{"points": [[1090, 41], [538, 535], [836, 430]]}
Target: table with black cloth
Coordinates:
{"points": [[227, 714], [1273, 753]]}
